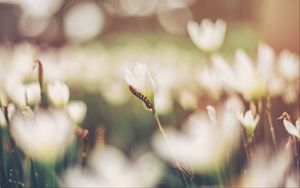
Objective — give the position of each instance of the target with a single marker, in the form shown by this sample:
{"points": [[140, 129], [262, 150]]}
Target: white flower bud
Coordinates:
{"points": [[76, 111], [33, 93], [58, 94], [249, 122]]}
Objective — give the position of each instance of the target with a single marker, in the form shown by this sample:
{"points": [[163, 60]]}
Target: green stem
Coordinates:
{"points": [[51, 171], [220, 180], [246, 147], [57, 179], [27, 172]]}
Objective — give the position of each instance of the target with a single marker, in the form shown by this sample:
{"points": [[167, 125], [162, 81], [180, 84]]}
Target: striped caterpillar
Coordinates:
{"points": [[139, 95]]}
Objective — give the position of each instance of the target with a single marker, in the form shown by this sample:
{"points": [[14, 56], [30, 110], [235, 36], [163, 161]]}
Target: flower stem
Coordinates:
{"points": [[219, 176], [246, 147], [296, 146], [183, 171], [27, 172], [268, 112]]}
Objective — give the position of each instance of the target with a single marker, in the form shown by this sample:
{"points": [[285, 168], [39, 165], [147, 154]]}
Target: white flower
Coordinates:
{"points": [[188, 100], [242, 77], [207, 36], [58, 94], [115, 93], [142, 81], [163, 101], [267, 170], [33, 93], [44, 136], [265, 60], [111, 168], [209, 82], [249, 122], [288, 65], [293, 130], [76, 111], [204, 141]]}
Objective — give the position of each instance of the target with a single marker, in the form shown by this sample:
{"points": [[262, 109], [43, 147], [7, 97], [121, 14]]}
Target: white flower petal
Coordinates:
{"points": [[224, 71], [129, 77], [298, 124], [212, 114], [290, 128], [265, 60]]}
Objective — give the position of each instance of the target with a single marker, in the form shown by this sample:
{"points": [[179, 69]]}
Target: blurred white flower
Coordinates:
{"points": [[249, 122], [22, 60], [163, 101], [203, 145], [115, 92], [33, 93], [242, 77], [112, 169], [44, 136], [265, 60], [209, 82], [293, 130], [188, 100], [292, 180], [58, 93], [207, 36], [141, 81], [267, 170], [288, 65], [77, 111], [40, 8], [291, 93], [276, 85], [84, 21]]}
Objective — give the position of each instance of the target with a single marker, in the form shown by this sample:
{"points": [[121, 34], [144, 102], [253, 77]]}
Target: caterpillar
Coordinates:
{"points": [[139, 95]]}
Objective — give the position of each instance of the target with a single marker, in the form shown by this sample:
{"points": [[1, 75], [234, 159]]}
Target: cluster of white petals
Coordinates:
{"points": [[44, 135], [207, 36], [110, 168]]}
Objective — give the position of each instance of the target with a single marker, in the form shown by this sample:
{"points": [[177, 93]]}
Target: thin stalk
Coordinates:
{"points": [[1, 157], [297, 156], [246, 147], [220, 180], [268, 112], [59, 182], [27, 172], [50, 169], [183, 172]]}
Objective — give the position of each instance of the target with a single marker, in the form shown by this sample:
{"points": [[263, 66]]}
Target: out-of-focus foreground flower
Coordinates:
{"points": [[267, 170], [43, 136], [206, 141], [110, 168]]}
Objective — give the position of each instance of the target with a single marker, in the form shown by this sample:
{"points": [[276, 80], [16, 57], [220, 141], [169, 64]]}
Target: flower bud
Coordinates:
{"points": [[76, 111], [58, 94]]}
